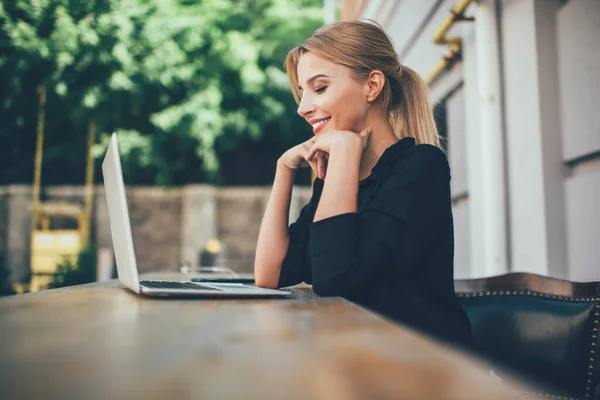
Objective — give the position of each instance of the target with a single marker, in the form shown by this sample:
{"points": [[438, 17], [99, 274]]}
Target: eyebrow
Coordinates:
{"points": [[313, 78]]}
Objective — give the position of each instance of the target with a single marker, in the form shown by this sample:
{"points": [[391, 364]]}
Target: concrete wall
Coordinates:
{"points": [[3, 219], [169, 226], [156, 219], [457, 157], [522, 127], [533, 137], [239, 214], [578, 27], [16, 229]]}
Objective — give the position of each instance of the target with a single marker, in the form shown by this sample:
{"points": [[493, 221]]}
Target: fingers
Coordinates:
{"points": [[320, 160], [322, 164], [311, 153], [314, 154], [365, 133], [303, 152], [310, 141]]}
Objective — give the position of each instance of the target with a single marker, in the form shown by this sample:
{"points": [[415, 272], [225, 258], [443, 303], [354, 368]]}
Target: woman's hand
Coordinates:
{"points": [[296, 157], [324, 143]]}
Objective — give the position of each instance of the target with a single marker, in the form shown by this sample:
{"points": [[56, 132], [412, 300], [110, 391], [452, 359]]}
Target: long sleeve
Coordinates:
{"points": [[395, 230], [295, 267]]}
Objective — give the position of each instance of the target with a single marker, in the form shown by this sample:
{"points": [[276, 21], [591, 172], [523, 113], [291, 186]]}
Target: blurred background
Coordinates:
{"points": [[201, 103]]}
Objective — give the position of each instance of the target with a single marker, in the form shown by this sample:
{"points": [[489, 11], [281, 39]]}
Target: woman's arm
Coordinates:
{"points": [[279, 246], [345, 150], [273, 237], [340, 193]]}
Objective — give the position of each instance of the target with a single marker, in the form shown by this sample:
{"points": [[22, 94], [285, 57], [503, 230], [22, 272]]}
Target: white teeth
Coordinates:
{"points": [[320, 122]]}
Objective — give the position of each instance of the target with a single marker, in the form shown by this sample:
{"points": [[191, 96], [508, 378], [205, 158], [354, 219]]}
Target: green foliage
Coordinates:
{"points": [[78, 273], [195, 88]]}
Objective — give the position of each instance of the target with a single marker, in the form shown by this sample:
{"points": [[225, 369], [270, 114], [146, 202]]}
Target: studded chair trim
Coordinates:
{"points": [[594, 363]]}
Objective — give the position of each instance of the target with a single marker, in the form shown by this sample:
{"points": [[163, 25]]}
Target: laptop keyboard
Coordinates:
{"points": [[174, 285]]}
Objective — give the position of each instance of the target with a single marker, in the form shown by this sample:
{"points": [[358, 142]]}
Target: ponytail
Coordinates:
{"points": [[410, 112]]}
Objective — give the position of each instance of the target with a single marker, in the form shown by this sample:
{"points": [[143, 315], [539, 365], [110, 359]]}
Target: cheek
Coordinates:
{"points": [[349, 111]]}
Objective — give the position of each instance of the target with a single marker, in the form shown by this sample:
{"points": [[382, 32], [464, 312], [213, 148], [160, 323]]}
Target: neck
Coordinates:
{"points": [[381, 138]]}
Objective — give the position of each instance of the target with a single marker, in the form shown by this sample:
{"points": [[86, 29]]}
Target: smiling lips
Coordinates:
{"points": [[318, 126]]}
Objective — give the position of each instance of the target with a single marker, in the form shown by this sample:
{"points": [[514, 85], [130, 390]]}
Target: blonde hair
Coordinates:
{"points": [[364, 47]]}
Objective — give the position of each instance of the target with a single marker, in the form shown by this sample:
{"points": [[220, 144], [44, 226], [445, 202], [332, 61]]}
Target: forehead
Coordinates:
{"points": [[309, 65]]}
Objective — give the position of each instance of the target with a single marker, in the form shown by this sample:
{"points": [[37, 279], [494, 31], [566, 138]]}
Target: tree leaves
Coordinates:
{"points": [[187, 81]]}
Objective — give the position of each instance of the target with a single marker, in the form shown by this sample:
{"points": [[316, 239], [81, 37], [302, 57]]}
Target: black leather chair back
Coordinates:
{"points": [[544, 329]]}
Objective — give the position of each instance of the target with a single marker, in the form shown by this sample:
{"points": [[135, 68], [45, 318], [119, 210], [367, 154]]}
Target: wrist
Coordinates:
{"points": [[349, 144], [281, 167], [345, 156]]}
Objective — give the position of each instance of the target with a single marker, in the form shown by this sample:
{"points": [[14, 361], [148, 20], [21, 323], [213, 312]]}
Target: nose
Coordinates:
{"points": [[305, 107]]}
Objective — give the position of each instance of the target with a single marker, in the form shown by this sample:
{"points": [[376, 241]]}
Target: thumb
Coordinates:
{"points": [[365, 133]]}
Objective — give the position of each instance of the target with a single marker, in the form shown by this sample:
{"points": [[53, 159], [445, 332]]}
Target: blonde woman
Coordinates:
{"points": [[378, 229]]}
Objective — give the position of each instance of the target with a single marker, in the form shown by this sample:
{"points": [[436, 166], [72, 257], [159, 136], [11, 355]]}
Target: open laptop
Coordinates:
{"points": [[120, 228]]}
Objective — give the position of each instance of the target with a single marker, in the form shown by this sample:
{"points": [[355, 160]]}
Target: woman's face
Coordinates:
{"points": [[330, 94]]}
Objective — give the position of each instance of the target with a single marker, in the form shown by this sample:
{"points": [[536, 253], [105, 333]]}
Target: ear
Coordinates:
{"points": [[374, 85]]}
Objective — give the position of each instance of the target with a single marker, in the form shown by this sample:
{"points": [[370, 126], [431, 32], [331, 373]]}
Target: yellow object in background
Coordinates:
{"points": [[213, 246], [49, 248]]}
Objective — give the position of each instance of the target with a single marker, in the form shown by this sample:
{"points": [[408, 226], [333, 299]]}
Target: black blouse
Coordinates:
{"points": [[395, 255]]}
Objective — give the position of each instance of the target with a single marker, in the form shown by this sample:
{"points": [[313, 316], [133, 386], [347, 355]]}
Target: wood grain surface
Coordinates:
{"points": [[100, 341]]}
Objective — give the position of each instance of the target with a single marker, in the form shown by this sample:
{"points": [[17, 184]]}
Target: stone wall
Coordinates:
{"points": [[16, 230], [238, 221], [240, 211], [155, 216], [3, 221], [169, 226]]}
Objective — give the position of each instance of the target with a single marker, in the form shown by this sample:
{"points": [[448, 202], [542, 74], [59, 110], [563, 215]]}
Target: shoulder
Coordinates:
{"points": [[422, 160], [417, 190]]}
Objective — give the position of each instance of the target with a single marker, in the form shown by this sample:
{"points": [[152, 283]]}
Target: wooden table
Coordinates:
{"points": [[100, 341]]}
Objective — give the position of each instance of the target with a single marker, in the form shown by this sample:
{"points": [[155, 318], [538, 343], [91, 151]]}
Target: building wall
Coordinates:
{"points": [[578, 27], [457, 157], [544, 178], [351, 9], [533, 137]]}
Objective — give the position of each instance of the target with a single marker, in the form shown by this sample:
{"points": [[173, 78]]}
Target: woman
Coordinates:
{"points": [[378, 229]]}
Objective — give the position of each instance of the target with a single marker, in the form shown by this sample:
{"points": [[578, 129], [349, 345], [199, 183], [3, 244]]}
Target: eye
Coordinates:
{"points": [[320, 89]]}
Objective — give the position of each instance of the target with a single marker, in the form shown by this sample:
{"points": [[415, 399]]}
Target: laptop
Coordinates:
{"points": [[120, 228]]}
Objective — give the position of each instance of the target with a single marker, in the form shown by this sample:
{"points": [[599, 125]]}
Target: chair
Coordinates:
{"points": [[544, 329]]}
